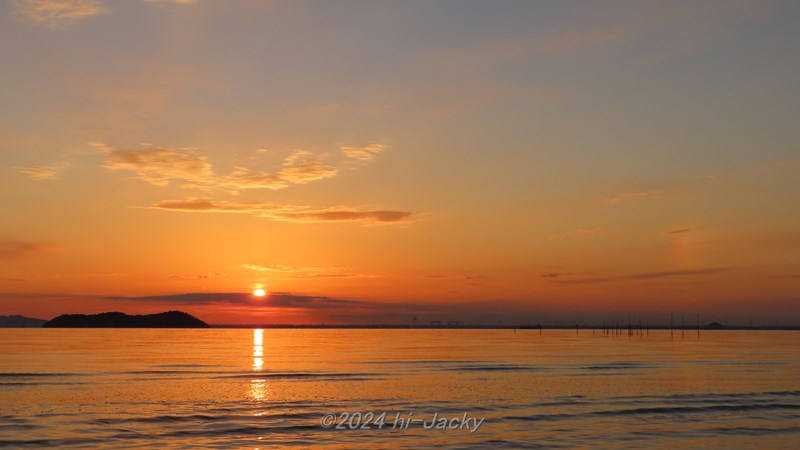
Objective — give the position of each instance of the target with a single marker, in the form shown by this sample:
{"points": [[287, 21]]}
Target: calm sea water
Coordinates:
{"points": [[238, 388]]}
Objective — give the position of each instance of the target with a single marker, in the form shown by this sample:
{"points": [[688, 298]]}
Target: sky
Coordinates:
{"points": [[375, 161]]}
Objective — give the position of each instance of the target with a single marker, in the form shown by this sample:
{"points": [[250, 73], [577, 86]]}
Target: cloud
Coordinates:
{"points": [[275, 268], [213, 206], [171, 2], [274, 299], [631, 196], [158, 165], [322, 308], [642, 276], [306, 272], [581, 233], [56, 13], [472, 280], [13, 250], [679, 231], [161, 165], [287, 213], [344, 215], [200, 276], [326, 274], [299, 167], [43, 172], [363, 153]]}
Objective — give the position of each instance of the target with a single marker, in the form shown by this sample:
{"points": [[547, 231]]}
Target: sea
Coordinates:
{"points": [[398, 388]]}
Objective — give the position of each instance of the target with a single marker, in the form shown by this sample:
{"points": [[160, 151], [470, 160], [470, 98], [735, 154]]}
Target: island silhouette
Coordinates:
{"points": [[169, 319], [18, 321]]}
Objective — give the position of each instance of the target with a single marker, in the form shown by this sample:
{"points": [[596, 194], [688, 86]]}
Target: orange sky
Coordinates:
{"points": [[522, 162]]}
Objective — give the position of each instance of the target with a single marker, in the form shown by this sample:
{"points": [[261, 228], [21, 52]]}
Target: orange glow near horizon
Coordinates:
{"points": [[427, 176]]}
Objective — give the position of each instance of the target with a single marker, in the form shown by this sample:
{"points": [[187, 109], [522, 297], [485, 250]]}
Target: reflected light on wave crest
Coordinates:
{"points": [[258, 387]]}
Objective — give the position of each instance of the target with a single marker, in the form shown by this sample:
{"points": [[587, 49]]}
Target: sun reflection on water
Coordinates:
{"points": [[258, 350], [258, 386]]}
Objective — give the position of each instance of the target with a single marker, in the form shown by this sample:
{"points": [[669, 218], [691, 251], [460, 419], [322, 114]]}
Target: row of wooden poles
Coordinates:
{"points": [[633, 329]]}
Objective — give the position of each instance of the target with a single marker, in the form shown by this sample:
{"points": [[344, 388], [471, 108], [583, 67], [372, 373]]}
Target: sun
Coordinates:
{"points": [[259, 292]]}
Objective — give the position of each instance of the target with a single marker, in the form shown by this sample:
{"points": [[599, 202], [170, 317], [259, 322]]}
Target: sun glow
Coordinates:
{"points": [[259, 292]]}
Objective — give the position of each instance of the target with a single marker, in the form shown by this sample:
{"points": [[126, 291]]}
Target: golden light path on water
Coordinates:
{"points": [[258, 386]]}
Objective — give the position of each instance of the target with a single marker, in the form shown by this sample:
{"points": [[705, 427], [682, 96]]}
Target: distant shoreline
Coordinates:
{"points": [[598, 330], [116, 320], [624, 330]]}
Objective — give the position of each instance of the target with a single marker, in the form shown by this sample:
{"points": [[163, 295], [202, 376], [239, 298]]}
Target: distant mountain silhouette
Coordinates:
{"points": [[170, 319], [20, 322]]}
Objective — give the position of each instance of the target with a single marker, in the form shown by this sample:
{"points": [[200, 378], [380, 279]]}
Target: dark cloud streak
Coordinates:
{"points": [[13, 250], [275, 299], [640, 276]]}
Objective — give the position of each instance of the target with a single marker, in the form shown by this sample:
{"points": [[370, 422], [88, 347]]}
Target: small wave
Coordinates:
{"points": [[42, 383], [493, 368], [695, 409], [621, 366], [709, 397], [169, 372], [242, 430], [38, 374], [18, 427], [307, 376], [165, 419], [38, 443], [659, 410], [418, 362], [754, 431], [179, 366], [502, 443], [592, 374], [199, 418]]}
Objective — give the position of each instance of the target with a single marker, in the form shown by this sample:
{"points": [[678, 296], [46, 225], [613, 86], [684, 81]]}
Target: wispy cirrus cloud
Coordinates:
{"points": [[299, 167], [215, 206], [14, 250], [581, 233], [57, 13], [160, 166], [561, 274], [631, 197], [171, 2], [305, 272], [639, 276], [679, 231], [287, 213], [271, 268], [344, 215], [195, 276], [366, 153], [108, 274], [43, 172]]}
